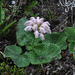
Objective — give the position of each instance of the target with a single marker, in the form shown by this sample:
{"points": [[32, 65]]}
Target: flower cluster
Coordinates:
{"points": [[38, 26]]}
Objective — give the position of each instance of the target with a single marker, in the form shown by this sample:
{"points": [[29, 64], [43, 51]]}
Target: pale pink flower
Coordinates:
{"points": [[42, 30], [29, 23], [38, 26], [45, 26], [47, 23], [48, 31], [34, 27], [33, 19], [36, 33], [39, 21], [42, 36], [28, 28]]}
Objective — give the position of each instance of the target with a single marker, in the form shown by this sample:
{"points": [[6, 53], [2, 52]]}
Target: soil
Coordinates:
{"points": [[63, 66]]}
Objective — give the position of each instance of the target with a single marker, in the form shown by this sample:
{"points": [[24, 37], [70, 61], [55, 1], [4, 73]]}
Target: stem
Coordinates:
{"points": [[33, 43], [42, 66]]}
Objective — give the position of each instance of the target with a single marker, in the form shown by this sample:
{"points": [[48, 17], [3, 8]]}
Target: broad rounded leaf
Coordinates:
{"points": [[14, 52], [43, 53], [70, 32], [58, 39], [71, 47], [59, 56], [21, 60], [23, 37]]}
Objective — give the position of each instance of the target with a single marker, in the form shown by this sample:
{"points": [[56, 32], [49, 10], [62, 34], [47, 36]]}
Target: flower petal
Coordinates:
{"points": [[28, 28], [42, 36], [35, 27], [37, 19], [36, 33], [40, 21], [28, 23], [33, 19], [48, 31], [47, 23], [42, 30], [45, 26]]}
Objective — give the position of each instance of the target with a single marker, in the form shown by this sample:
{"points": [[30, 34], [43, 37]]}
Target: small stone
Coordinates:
{"points": [[13, 2]]}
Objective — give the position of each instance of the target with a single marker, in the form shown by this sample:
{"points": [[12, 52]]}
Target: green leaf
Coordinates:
{"points": [[37, 42], [36, 14], [2, 13], [4, 29], [59, 56], [6, 33], [1, 1], [29, 46], [58, 39], [23, 37], [14, 52], [3, 24], [34, 3], [71, 47], [70, 32], [27, 13], [43, 53]]}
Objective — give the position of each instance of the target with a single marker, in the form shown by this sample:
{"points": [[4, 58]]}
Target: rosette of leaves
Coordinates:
{"points": [[43, 51]]}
